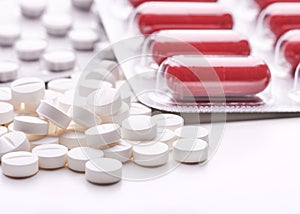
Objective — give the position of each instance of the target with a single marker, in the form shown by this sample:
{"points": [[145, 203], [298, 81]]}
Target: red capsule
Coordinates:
{"points": [[155, 16], [136, 3], [291, 50], [282, 17], [265, 3], [169, 43], [216, 76]]}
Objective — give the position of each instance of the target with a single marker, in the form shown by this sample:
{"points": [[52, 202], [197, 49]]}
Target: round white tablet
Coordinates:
{"points": [[78, 157], [118, 118], [5, 94], [105, 101], [86, 87], [32, 8], [168, 121], [44, 141], [103, 171], [28, 89], [53, 114], [139, 109], [165, 136], [156, 154], [30, 50], [121, 151], [51, 96], [59, 60], [139, 127], [19, 164], [72, 139], [190, 150], [112, 66], [195, 132], [9, 34], [57, 24], [6, 113], [83, 39], [13, 141], [8, 71], [61, 85], [102, 135], [31, 125], [64, 103], [51, 156], [85, 117], [83, 4], [3, 130]]}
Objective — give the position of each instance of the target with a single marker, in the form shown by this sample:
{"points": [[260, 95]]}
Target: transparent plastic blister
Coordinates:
{"points": [[147, 46]]}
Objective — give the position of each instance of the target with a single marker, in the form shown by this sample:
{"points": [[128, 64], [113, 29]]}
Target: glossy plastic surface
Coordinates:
{"points": [[262, 4]]}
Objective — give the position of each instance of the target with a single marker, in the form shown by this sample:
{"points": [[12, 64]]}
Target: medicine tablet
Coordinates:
{"points": [[83, 39], [5, 94], [51, 96], [72, 139], [86, 87], [51, 156], [64, 103], [195, 132], [190, 150], [139, 109], [105, 101], [168, 121], [85, 117], [13, 141], [53, 114], [9, 34], [31, 125], [151, 155], [78, 157], [32, 8], [61, 85], [139, 127], [95, 72], [166, 136], [103, 135], [28, 89], [30, 50], [19, 164], [121, 151], [6, 113], [59, 60], [83, 4], [103, 171], [44, 141], [8, 71], [118, 118], [3, 130], [57, 24]]}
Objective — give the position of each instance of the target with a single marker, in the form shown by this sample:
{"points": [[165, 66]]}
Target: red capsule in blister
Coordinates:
{"points": [[167, 43], [282, 17], [215, 76], [136, 3], [291, 50], [154, 16], [265, 3]]}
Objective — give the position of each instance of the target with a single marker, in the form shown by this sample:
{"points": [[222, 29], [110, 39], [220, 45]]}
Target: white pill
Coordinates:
{"points": [[105, 101], [52, 96], [19, 164], [118, 117], [8, 71], [139, 109], [30, 50], [103, 171], [86, 87], [78, 157], [43, 141], [53, 114], [195, 132], [59, 60], [72, 139], [190, 150], [61, 85], [31, 125], [139, 127], [156, 154], [168, 121], [103, 135], [9, 34], [64, 103], [83, 4], [57, 24], [13, 141], [28, 89], [84, 117], [6, 113], [100, 74], [124, 89], [166, 136], [32, 8], [83, 39], [112, 67], [3, 130], [5, 94], [121, 151], [51, 156]]}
